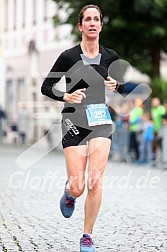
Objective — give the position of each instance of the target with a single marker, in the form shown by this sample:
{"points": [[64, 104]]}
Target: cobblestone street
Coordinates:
{"points": [[132, 218]]}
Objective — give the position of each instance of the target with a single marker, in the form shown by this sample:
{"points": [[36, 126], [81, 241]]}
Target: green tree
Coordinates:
{"points": [[136, 29], [159, 88]]}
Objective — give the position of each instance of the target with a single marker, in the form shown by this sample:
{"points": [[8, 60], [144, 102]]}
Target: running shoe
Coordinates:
{"points": [[86, 244], [67, 204]]}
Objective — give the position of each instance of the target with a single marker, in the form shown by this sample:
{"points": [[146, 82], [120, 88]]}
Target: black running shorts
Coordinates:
{"points": [[74, 135]]}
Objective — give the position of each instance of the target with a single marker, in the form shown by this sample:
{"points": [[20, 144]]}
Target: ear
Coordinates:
{"points": [[79, 27]]}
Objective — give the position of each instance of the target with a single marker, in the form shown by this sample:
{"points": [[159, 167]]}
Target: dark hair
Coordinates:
{"points": [[81, 14]]}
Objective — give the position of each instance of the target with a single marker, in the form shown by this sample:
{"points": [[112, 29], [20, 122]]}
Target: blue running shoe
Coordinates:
{"points": [[86, 244], [67, 204]]}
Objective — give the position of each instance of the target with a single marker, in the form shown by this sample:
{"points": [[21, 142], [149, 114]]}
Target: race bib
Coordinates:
{"points": [[98, 114]]}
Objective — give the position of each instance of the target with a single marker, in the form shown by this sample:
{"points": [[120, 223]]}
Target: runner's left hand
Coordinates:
{"points": [[110, 83]]}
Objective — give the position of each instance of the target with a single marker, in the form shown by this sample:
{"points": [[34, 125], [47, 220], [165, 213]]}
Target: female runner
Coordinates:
{"points": [[86, 123]]}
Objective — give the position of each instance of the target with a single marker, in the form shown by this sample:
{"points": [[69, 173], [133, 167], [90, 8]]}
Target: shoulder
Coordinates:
{"points": [[69, 52], [162, 108], [67, 58], [108, 52], [74, 49], [72, 55]]}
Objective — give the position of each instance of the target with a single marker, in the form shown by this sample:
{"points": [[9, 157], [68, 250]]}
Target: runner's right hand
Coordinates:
{"points": [[75, 97]]}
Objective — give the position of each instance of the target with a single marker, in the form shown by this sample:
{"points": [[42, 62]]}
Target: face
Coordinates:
{"points": [[91, 23], [138, 102], [155, 102], [164, 121], [165, 105]]}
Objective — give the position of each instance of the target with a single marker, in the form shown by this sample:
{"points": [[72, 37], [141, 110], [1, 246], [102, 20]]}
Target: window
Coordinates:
{"points": [[34, 12], [45, 10], [20, 89], [9, 96], [6, 15], [23, 13], [14, 14]]}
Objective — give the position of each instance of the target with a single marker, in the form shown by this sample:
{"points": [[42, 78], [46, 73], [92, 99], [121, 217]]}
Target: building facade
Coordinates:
{"points": [[2, 62], [30, 45]]}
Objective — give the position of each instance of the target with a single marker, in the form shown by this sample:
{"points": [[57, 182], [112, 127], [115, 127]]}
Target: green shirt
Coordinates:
{"points": [[134, 117], [157, 114]]}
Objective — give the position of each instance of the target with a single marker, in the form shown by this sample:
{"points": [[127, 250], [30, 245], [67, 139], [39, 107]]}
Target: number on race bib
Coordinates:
{"points": [[98, 114]]}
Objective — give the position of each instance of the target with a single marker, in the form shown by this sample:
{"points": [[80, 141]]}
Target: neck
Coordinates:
{"points": [[90, 47]]}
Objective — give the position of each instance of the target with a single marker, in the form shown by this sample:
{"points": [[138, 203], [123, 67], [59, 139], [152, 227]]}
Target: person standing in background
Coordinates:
{"points": [[146, 140], [14, 128], [2, 119], [134, 122], [23, 124], [157, 111]]}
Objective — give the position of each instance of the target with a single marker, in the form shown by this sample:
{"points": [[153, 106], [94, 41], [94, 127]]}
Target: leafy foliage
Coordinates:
{"points": [[159, 89], [136, 29]]}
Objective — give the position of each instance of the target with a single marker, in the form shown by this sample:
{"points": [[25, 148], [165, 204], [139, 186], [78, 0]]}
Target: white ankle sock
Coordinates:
{"points": [[88, 234]]}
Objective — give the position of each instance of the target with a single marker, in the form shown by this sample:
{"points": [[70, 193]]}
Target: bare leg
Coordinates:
{"points": [[97, 162], [76, 165]]}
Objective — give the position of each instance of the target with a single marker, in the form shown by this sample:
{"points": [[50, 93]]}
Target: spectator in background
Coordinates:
{"points": [[14, 128], [23, 124], [134, 123], [146, 140], [162, 138], [157, 111], [2, 119], [165, 114]]}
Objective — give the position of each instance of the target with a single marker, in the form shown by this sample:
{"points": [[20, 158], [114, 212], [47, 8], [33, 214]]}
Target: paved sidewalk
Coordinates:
{"points": [[132, 218]]}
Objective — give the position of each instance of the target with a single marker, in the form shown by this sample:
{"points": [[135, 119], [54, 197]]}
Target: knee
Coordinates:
{"points": [[76, 191], [94, 184], [94, 188]]}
